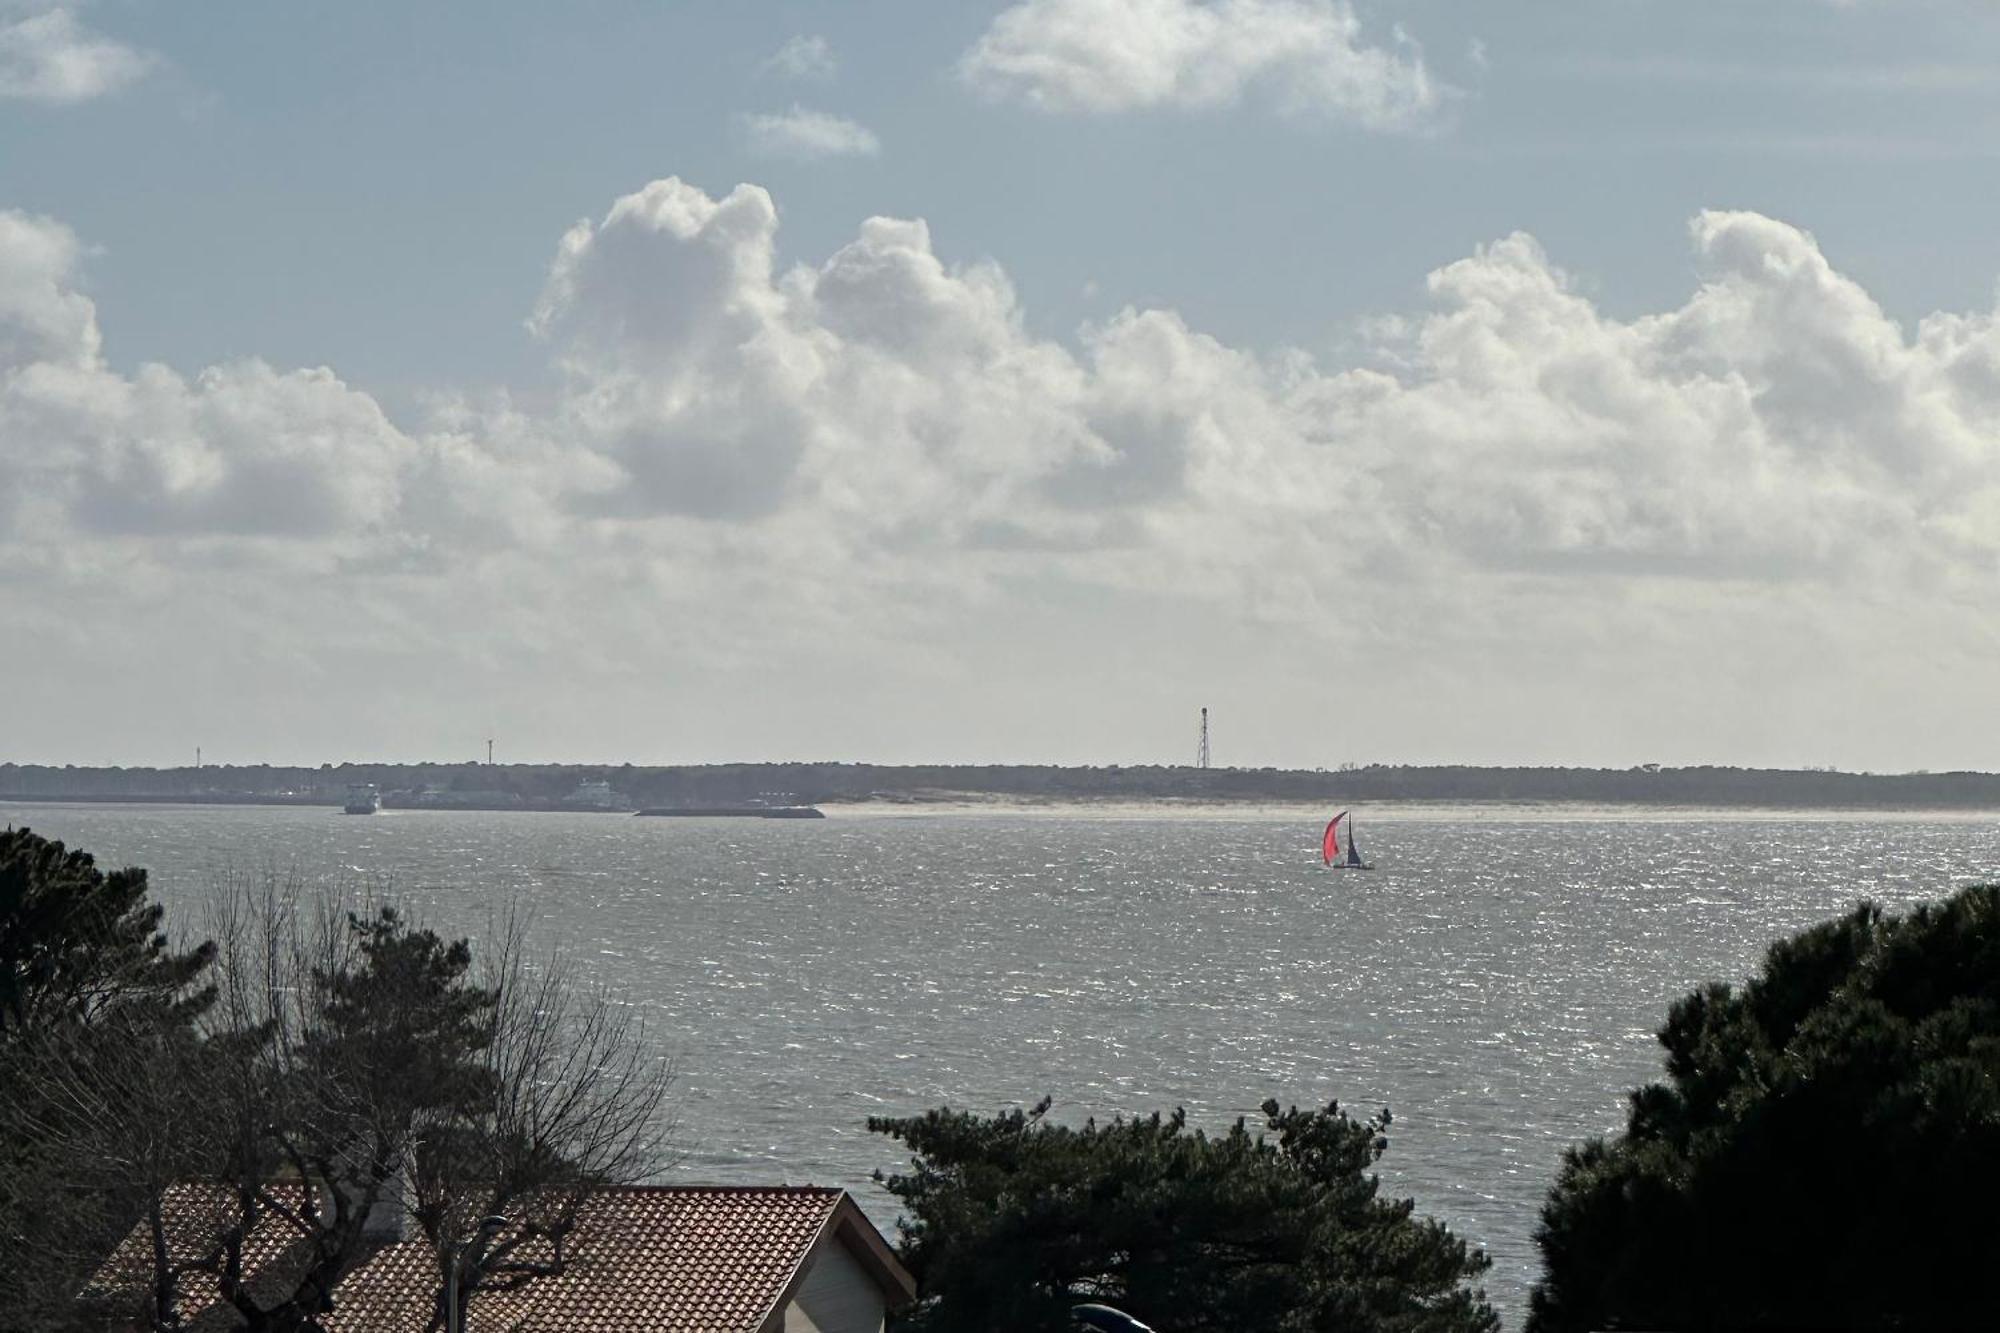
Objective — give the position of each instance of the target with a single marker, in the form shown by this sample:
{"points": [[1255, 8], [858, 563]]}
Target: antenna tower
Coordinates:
{"points": [[1201, 754]]}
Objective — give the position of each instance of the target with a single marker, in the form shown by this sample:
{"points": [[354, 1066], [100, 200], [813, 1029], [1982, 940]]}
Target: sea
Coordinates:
{"points": [[1496, 981]]}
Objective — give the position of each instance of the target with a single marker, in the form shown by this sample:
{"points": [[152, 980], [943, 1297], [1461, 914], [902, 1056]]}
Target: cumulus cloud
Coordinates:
{"points": [[47, 55], [43, 318], [869, 464], [803, 56], [683, 369], [240, 451], [1306, 56], [1777, 425]]}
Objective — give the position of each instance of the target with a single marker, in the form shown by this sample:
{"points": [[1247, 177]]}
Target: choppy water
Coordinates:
{"points": [[1496, 982]]}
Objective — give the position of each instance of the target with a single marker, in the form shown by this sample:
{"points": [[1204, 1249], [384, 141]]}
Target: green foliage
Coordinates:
{"points": [[86, 978], [402, 1026], [344, 1090], [1824, 1150], [74, 940], [356, 1055], [1011, 1220]]}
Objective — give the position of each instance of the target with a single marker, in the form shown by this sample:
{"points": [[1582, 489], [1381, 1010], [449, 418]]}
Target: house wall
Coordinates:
{"points": [[837, 1296]]}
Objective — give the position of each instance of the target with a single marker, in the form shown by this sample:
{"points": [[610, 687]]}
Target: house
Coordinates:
{"points": [[712, 1258], [760, 1259], [275, 1257]]}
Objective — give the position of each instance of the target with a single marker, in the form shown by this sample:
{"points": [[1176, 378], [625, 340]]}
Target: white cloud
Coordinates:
{"points": [[803, 133], [1307, 56], [243, 450], [46, 55], [867, 470], [1776, 425], [804, 56], [43, 319]]}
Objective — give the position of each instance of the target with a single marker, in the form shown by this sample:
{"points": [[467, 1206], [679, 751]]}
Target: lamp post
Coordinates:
{"points": [[454, 1318]]}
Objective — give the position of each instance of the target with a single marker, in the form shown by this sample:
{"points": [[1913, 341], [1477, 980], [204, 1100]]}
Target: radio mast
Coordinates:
{"points": [[1201, 753]]}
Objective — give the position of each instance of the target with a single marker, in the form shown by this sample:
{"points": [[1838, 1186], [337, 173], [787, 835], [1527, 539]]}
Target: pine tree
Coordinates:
{"points": [[88, 980], [1011, 1220], [1822, 1152], [75, 941]]}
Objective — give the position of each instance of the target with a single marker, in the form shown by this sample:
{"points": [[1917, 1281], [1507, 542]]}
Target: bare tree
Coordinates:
{"points": [[315, 1123], [573, 1103], [354, 1065], [120, 1116]]}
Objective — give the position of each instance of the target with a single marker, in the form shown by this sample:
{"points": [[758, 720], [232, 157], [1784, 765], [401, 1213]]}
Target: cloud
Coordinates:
{"points": [[1104, 56], [804, 56], [46, 55], [868, 469], [43, 319], [1776, 426], [242, 451], [809, 135], [684, 370]]}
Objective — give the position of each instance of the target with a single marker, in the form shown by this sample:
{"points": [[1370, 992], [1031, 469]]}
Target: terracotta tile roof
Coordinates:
{"points": [[679, 1259], [274, 1256]]}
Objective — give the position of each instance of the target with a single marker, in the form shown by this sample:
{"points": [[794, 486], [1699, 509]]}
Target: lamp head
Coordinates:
{"points": [[1108, 1320]]}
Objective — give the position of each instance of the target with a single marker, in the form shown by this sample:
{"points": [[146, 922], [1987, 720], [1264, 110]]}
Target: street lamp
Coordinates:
{"points": [[454, 1318], [1107, 1319]]}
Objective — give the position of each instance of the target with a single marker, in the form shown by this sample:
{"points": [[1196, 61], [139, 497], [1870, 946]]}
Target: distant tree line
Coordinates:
{"points": [[546, 785]]}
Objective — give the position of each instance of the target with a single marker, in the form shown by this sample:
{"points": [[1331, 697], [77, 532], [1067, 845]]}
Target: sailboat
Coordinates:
{"points": [[1330, 849]]}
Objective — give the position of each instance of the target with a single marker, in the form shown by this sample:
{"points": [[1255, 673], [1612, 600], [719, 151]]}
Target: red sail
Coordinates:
{"points": [[1329, 842]]}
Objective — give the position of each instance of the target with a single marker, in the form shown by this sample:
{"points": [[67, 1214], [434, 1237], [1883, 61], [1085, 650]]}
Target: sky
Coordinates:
{"points": [[1567, 382]]}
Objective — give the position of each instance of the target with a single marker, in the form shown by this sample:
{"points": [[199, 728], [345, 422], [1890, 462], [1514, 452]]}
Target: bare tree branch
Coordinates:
{"points": [[576, 1100]]}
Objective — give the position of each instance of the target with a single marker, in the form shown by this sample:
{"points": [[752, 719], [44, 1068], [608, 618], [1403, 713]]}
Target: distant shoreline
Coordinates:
{"points": [[888, 789], [1305, 813]]}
